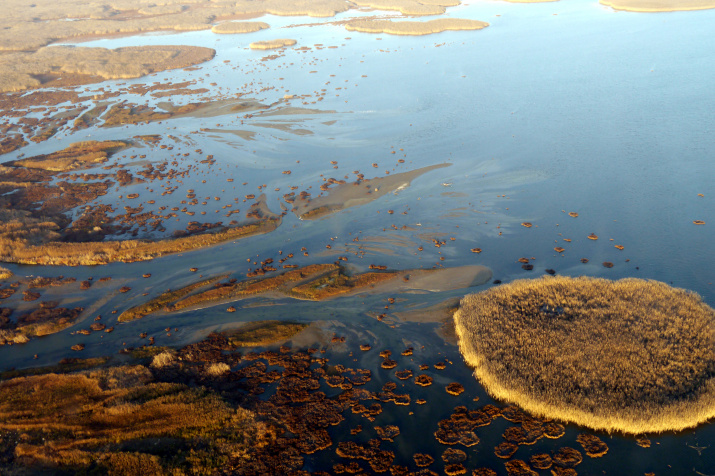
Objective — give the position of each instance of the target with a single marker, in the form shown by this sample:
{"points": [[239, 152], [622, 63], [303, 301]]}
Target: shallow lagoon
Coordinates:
{"points": [[602, 113]]}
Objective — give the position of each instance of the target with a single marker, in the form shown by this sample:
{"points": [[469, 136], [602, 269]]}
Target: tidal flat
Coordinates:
{"points": [[220, 259]]}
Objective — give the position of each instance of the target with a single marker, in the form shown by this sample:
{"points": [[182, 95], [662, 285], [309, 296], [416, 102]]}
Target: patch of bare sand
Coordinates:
{"points": [[22, 70], [246, 135], [658, 5], [415, 27], [358, 193], [437, 280], [231, 27], [439, 312], [285, 126], [272, 44]]}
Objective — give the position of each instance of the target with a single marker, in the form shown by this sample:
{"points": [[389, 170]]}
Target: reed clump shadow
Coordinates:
{"points": [[631, 355]]}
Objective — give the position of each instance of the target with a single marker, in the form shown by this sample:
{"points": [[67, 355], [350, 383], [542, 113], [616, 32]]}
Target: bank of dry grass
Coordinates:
{"points": [[163, 300], [415, 28], [336, 283], [262, 333], [100, 420], [631, 355], [272, 44], [22, 70], [16, 245], [5, 274], [76, 156]]}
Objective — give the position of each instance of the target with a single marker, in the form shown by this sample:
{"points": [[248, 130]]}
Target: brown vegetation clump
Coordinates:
{"points": [[76, 156], [50, 252], [592, 445], [423, 460], [260, 333], [5, 274], [162, 300], [122, 407], [540, 461], [415, 27], [21, 69], [517, 467], [631, 355], [455, 388], [272, 44]]}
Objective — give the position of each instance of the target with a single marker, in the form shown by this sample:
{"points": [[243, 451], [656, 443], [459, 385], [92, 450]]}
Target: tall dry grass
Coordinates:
{"points": [[17, 245], [163, 300], [632, 355], [89, 420]]}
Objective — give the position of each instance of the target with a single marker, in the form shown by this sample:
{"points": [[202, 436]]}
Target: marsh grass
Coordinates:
{"points": [[65, 366], [5, 274], [263, 333], [632, 355], [163, 300], [101, 421], [20, 249], [336, 283], [78, 155]]}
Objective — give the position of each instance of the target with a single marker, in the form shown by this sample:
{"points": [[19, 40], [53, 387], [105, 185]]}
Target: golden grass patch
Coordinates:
{"points": [[21, 69], [415, 27], [260, 333], [163, 300], [272, 44], [76, 156], [74, 421], [22, 250], [5, 274], [632, 355], [232, 27]]}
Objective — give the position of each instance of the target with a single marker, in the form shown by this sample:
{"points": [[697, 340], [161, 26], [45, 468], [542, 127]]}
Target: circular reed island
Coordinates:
{"points": [[632, 355]]}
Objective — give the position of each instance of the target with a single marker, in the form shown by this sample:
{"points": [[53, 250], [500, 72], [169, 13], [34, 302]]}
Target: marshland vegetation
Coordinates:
{"points": [[632, 355]]}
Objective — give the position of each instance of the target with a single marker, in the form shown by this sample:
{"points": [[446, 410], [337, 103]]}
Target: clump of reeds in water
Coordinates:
{"points": [[632, 355]]}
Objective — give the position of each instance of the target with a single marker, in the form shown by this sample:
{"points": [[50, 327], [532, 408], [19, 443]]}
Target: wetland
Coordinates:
{"points": [[236, 237]]}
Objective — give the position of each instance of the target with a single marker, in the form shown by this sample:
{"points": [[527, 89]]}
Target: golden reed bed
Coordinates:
{"points": [[632, 355]]}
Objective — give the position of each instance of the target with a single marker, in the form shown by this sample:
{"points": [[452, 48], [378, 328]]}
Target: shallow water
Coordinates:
{"points": [[554, 108]]}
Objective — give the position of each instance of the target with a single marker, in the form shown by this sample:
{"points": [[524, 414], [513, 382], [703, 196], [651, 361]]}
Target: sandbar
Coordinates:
{"points": [[348, 195]]}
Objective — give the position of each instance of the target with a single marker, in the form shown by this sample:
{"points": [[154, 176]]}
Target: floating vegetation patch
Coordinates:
{"points": [[631, 355]]}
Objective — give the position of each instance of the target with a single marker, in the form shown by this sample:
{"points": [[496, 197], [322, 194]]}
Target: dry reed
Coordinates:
{"points": [[632, 355], [22, 250], [90, 420]]}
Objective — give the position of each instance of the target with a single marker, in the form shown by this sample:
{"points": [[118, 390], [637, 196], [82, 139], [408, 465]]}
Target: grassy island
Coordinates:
{"points": [[632, 355]]}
